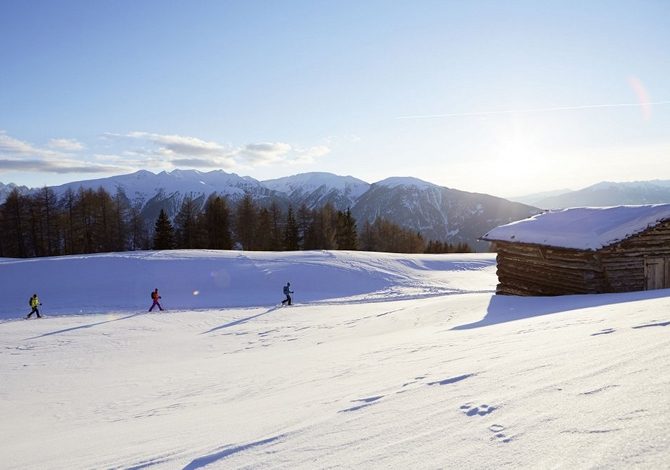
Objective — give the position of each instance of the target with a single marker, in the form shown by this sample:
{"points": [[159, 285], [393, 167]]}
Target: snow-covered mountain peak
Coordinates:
{"points": [[395, 181], [317, 188], [186, 174], [315, 180]]}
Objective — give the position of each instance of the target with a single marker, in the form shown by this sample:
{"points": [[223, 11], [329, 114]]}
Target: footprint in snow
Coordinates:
{"points": [[481, 410], [606, 331], [451, 380], [498, 434], [365, 402]]}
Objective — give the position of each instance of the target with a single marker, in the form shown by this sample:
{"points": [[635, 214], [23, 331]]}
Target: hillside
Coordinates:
{"points": [[437, 212], [386, 361], [318, 189], [607, 194]]}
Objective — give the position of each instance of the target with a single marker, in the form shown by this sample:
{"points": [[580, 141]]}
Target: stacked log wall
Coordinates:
{"points": [[527, 269], [624, 262]]}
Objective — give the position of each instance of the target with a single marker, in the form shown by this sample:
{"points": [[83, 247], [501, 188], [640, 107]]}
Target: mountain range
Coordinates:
{"points": [[604, 194], [437, 212], [5, 189]]}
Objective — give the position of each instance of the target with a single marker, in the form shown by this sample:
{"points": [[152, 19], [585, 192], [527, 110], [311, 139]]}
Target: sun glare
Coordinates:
{"points": [[517, 152]]}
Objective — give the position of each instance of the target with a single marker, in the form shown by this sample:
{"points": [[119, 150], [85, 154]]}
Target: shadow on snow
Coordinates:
{"points": [[211, 458], [239, 322], [507, 308], [81, 327]]}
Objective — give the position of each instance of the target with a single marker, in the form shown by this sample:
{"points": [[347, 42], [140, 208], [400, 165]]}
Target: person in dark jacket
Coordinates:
{"points": [[34, 302], [287, 293], [155, 297]]}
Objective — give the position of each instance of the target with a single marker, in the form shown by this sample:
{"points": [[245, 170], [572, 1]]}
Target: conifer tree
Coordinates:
{"points": [[264, 232], [291, 232], [121, 219], [186, 227], [216, 223], [67, 203], [321, 234], [138, 237], [276, 235], [346, 231], [383, 235], [163, 233], [49, 209], [246, 221], [15, 220]]}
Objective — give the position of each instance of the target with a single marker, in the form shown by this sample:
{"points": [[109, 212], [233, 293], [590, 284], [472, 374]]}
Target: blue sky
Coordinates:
{"points": [[505, 98]]}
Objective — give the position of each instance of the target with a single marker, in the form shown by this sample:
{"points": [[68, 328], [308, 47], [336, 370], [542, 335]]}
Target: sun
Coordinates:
{"points": [[517, 154]]}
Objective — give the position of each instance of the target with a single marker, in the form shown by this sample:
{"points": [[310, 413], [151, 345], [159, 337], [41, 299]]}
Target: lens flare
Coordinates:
{"points": [[642, 96]]}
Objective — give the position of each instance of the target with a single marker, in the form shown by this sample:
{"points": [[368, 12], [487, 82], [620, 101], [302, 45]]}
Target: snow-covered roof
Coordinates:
{"points": [[583, 228]]}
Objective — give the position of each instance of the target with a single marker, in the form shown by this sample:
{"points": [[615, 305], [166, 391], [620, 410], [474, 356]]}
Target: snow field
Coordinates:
{"points": [[403, 367]]}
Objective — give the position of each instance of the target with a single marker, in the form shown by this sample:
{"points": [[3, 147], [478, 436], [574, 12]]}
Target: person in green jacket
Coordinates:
{"points": [[34, 302]]}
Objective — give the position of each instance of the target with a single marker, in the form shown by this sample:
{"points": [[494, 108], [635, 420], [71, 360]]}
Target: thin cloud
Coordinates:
{"points": [[534, 110], [11, 147], [151, 151], [67, 145], [264, 153], [200, 163], [309, 155], [61, 167], [181, 145], [178, 150], [187, 151], [17, 155]]}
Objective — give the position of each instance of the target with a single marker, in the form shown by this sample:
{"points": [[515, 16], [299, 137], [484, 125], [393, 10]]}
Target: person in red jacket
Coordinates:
{"points": [[155, 297]]}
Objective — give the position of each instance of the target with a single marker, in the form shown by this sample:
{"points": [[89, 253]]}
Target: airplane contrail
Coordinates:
{"points": [[534, 110]]}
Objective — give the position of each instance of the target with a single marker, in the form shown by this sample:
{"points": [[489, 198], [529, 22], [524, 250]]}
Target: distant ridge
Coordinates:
{"points": [[607, 194], [437, 212]]}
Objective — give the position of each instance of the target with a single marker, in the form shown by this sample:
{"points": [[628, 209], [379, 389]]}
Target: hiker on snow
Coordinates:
{"points": [[34, 302], [155, 297], [287, 293]]}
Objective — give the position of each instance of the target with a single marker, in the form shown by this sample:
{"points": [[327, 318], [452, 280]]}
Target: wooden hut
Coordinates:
{"points": [[584, 251]]}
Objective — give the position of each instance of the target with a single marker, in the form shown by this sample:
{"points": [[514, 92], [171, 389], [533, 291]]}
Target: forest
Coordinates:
{"points": [[94, 221]]}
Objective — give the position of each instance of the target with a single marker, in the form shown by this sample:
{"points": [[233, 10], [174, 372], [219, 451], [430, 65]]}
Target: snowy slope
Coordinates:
{"points": [[215, 279], [144, 185], [309, 182], [415, 365], [314, 190], [406, 181]]}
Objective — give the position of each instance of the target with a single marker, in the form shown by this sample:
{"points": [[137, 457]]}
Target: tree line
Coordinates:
{"points": [[94, 221]]}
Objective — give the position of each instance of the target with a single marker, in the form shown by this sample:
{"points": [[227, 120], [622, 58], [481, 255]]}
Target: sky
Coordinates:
{"points": [[506, 98]]}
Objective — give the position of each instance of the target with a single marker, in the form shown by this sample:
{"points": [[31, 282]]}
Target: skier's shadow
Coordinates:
{"points": [[239, 322], [81, 327]]}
